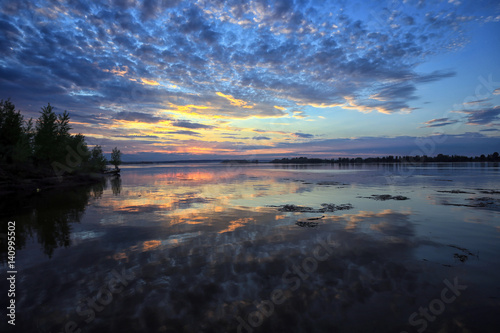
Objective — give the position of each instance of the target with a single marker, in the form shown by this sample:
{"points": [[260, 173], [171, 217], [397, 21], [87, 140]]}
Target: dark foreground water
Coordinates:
{"points": [[210, 248]]}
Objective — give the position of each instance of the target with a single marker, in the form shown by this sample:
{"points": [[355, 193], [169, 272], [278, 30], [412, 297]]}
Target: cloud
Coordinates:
{"points": [[188, 124], [230, 60], [470, 144], [299, 114], [483, 116], [435, 76], [235, 101], [187, 132], [303, 135], [496, 91], [399, 91], [369, 105], [439, 122], [490, 130], [408, 20], [152, 8], [479, 101], [134, 136], [93, 119], [149, 82], [323, 105], [266, 64], [117, 70], [138, 117], [261, 138]]}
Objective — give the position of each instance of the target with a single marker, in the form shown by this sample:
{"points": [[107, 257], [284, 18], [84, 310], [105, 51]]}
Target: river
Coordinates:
{"points": [[262, 248]]}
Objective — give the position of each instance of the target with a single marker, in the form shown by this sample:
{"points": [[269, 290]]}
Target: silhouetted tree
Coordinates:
{"points": [[52, 136], [116, 157], [12, 132], [46, 148], [390, 159], [45, 140], [23, 150], [97, 161], [77, 146]]}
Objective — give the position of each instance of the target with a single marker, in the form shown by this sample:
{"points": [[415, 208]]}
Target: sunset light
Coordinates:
{"points": [[204, 74]]}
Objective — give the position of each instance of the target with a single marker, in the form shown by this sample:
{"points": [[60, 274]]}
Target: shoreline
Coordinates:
{"points": [[36, 185], [309, 162]]}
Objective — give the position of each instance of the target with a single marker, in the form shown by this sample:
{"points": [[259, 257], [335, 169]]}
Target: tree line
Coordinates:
{"points": [[392, 159], [46, 146]]}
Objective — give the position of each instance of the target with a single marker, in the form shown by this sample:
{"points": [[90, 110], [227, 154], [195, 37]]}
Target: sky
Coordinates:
{"points": [[187, 80]]}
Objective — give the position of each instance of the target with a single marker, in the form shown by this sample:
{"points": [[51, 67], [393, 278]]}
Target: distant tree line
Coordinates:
{"points": [[391, 159], [239, 161], [45, 147]]}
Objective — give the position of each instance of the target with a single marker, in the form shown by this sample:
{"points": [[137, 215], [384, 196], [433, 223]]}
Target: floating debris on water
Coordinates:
{"points": [[465, 253], [294, 208], [480, 202], [303, 209], [463, 249], [307, 224], [456, 191], [330, 183], [461, 257], [488, 200], [333, 207], [315, 218], [384, 197], [489, 191]]}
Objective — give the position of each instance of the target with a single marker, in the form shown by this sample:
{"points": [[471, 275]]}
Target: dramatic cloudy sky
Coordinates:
{"points": [[172, 79]]}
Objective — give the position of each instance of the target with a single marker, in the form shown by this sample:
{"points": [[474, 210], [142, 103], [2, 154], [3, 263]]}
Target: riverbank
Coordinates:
{"points": [[38, 183]]}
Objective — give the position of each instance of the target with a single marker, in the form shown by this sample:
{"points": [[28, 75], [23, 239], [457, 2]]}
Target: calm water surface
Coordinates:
{"points": [[207, 248]]}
